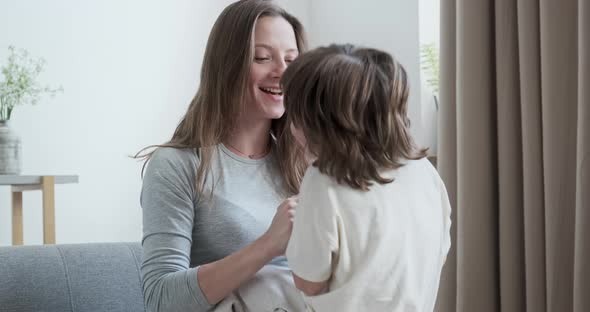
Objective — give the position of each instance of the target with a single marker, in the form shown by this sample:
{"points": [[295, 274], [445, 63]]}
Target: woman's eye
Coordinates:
{"points": [[261, 59], [288, 61]]}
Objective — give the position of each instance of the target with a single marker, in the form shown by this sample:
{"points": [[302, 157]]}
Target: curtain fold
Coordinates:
{"points": [[532, 149], [477, 235], [559, 102], [510, 168], [514, 151], [447, 142], [582, 233]]}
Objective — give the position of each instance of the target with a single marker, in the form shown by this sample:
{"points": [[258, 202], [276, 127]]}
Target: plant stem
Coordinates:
{"points": [[2, 107]]}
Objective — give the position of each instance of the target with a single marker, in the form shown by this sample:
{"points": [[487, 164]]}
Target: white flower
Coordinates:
{"points": [[20, 85]]}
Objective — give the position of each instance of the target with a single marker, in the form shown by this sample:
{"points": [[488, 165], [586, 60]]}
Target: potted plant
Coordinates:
{"points": [[430, 64], [430, 67], [19, 86]]}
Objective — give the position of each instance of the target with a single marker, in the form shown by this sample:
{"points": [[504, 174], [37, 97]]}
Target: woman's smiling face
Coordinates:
{"points": [[275, 47]]}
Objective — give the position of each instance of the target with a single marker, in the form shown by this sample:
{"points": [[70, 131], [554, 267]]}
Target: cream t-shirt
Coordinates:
{"points": [[382, 250]]}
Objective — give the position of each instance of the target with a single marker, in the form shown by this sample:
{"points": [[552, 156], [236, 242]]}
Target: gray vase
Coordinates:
{"points": [[10, 149]]}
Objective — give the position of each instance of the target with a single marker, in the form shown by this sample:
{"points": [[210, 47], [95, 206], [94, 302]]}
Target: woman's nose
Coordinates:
{"points": [[279, 67]]}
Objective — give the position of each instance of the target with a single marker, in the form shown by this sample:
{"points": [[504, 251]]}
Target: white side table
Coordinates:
{"points": [[21, 183]]}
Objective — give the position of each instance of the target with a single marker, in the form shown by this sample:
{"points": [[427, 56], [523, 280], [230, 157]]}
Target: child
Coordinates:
{"points": [[371, 230]]}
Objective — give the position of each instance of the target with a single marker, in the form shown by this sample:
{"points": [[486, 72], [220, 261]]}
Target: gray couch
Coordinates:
{"points": [[82, 277]]}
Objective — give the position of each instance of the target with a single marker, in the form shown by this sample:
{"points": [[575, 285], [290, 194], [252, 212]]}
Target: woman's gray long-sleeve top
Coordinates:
{"points": [[182, 231]]}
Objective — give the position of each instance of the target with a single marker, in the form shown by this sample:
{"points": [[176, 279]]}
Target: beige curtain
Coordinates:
{"points": [[514, 152]]}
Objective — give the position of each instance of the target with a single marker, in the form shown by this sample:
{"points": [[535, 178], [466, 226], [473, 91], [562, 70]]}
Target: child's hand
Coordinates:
{"points": [[279, 232]]}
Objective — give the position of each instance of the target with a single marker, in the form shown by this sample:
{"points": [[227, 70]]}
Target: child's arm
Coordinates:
{"points": [[310, 288], [313, 245]]}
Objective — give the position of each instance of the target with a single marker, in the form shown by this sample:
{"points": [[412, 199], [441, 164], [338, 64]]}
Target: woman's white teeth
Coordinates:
{"points": [[272, 90]]}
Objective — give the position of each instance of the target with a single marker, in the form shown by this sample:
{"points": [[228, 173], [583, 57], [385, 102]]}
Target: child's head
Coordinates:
{"points": [[351, 106]]}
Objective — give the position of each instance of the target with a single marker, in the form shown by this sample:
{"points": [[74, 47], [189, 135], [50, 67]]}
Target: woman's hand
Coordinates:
{"points": [[278, 234], [218, 279]]}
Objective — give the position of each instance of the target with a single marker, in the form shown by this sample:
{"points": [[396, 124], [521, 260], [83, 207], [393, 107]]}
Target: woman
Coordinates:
{"points": [[215, 198]]}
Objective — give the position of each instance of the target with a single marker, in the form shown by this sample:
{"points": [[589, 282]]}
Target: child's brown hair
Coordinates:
{"points": [[351, 104]]}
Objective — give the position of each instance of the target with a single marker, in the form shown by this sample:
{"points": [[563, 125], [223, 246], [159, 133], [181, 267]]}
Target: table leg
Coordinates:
{"points": [[17, 218], [48, 188]]}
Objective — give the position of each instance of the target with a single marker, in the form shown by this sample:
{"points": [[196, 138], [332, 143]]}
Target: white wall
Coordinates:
{"points": [[429, 17], [129, 69]]}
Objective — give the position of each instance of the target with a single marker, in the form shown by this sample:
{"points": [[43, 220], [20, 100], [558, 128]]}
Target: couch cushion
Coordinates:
{"points": [[79, 277]]}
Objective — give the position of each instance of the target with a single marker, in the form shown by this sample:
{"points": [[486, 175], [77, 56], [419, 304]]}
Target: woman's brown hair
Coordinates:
{"points": [[223, 84], [351, 104]]}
